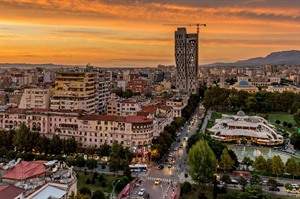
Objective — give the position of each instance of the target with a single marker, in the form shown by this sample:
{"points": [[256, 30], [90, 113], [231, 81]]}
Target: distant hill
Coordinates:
{"points": [[283, 57]]}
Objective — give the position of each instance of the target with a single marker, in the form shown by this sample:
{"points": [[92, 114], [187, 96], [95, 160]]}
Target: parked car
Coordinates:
{"points": [[280, 184], [170, 165], [159, 167], [175, 148], [141, 192], [146, 196], [181, 145], [274, 189], [295, 186]]}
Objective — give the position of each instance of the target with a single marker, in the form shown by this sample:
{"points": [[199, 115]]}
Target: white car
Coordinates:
{"points": [[295, 186], [141, 192]]}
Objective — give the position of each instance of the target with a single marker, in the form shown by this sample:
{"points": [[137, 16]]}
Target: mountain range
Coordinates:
{"points": [[290, 57]]}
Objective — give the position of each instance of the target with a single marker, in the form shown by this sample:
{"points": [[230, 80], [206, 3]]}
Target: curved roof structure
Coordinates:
{"points": [[243, 83], [240, 113]]}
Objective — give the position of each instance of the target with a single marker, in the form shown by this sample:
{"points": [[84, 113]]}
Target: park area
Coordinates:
{"points": [[95, 181]]}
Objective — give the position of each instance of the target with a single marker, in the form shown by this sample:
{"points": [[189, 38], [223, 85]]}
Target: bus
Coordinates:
{"points": [[138, 167]]}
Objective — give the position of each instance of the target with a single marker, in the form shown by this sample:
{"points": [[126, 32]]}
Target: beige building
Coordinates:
{"points": [[244, 86], [75, 91], [178, 103], [35, 98]]}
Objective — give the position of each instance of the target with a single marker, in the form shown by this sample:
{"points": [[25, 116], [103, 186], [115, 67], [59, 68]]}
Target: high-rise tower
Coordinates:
{"points": [[186, 58]]}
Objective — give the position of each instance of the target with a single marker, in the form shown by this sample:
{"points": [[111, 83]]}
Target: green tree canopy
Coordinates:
{"points": [[292, 167], [260, 163], [98, 194], [202, 162], [277, 165], [226, 163]]}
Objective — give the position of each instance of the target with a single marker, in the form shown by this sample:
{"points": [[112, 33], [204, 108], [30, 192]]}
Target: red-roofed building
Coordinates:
{"points": [[25, 170], [8, 191]]}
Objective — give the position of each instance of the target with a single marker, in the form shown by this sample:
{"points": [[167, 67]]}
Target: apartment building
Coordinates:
{"points": [[178, 102], [186, 58], [75, 91], [123, 107], [139, 85], [35, 98], [89, 130]]}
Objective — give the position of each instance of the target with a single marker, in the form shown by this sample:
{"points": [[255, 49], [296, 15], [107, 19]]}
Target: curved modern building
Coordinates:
{"points": [[241, 126]]}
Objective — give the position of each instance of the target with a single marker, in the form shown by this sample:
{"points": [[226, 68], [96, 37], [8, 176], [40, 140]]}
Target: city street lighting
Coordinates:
{"points": [[112, 194]]}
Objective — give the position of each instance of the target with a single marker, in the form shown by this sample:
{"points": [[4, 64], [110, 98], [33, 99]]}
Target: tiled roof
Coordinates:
{"points": [[25, 170], [9, 191]]}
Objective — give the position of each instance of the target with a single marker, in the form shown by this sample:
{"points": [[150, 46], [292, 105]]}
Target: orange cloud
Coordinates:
{"points": [[76, 31]]}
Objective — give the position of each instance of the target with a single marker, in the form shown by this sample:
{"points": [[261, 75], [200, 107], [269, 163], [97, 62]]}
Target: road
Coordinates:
{"points": [[169, 176]]}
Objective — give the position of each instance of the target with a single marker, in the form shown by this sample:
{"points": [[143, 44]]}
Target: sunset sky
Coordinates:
{"points": [[131, 32]]}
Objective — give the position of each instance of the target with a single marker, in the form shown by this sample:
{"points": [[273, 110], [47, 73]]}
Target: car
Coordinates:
{"points": [[141, 192], [159, 167], [175, 148], [146, 196], [295, 186], [181, 145], [280, 184], [170, 165], [274, 189], [170, 155], [157, 181]]}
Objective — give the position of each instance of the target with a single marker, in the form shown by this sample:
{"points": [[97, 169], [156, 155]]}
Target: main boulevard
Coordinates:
{"points": [[176, 174], [170, 176]]}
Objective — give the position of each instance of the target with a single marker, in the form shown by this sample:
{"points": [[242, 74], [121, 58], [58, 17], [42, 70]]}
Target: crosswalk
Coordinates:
{"points": [[161, 179]]}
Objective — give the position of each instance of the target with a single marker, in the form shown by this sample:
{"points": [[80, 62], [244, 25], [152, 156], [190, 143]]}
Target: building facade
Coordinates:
{"points": [[186, 59], [35, 98], [75, 91]]}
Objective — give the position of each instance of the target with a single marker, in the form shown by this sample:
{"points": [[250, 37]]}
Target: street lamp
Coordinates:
{"points": [[112, 194], [162, 191]]}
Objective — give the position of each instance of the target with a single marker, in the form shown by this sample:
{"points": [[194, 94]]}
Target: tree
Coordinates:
{"points": [[127, 94], [288, 186], [277, 122], [91, 164], [85, 191], [98, 194], [292, 167], [255, 180], [226, 178], [243, 182], [277, 165], [252, 191], [226, 162], [272, 182], [268, 168], [127, 171], [104, 150], [247, 161], [185, 188], [80, 162], [260, 163], [24, 139], [297, 117], [234, 158], [202, 162]]}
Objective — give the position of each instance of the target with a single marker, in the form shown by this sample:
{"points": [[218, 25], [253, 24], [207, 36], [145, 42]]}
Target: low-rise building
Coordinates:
{"points": [[244, 86], [178, 102], [251, 128]]}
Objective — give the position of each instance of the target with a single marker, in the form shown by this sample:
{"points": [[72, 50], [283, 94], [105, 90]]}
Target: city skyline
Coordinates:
{"points": [[131, 33]]}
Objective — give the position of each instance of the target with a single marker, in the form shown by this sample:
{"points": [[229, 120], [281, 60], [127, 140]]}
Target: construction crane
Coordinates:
{"points": [[190, 25]]}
